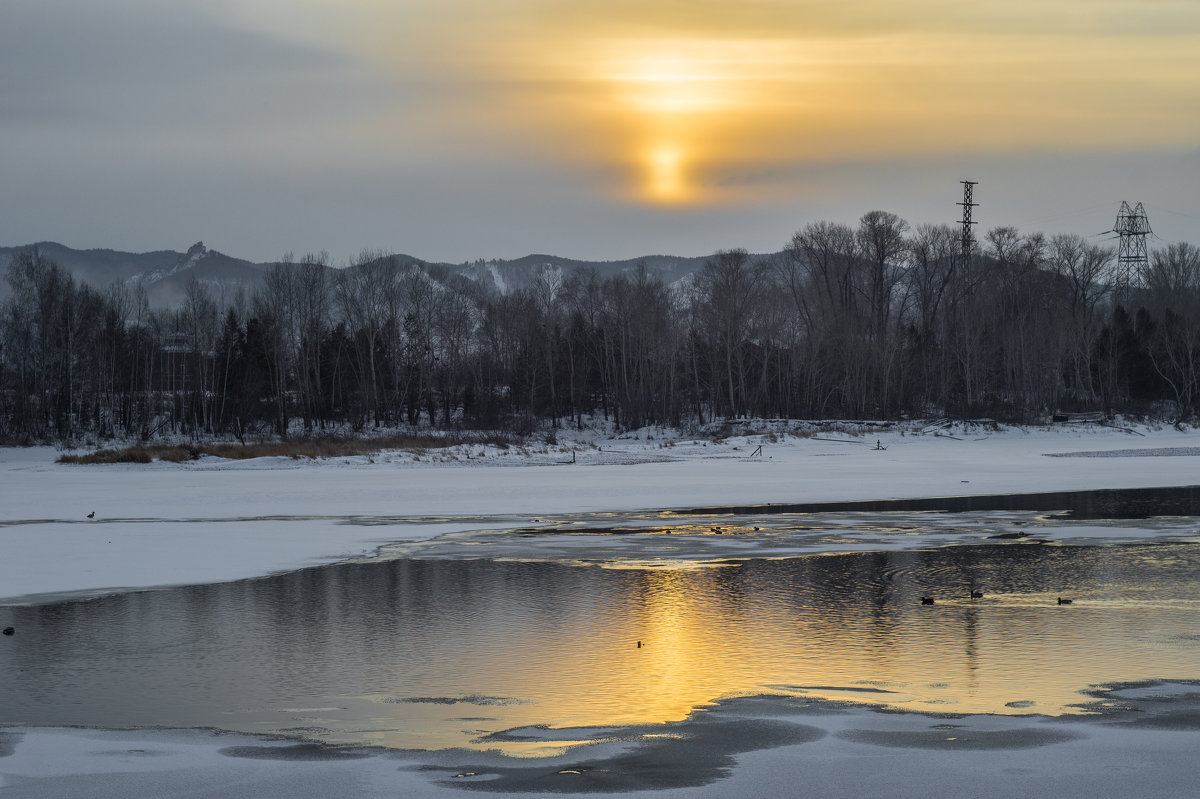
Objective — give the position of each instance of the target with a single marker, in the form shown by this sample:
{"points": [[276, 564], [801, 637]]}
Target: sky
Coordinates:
{"points": [[453, 130]]}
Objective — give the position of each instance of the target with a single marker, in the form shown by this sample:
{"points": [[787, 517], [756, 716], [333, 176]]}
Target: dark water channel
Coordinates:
{"points": [[1117, 503], [438, 653]]}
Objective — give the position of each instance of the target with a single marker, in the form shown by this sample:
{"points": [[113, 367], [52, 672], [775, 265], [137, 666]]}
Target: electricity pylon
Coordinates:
{"points": [[968, 237], [1132, 227]]}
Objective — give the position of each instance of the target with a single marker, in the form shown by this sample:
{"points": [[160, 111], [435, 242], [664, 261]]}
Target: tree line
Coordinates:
{"points": [[879, 320]]}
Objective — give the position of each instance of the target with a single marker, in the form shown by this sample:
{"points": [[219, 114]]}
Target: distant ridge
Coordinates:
{"points": [[165, 274]]}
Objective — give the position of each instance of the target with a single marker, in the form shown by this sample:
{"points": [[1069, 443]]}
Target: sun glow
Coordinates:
{"points": [[666, 179], [673, 86], [673, 102], [717, 103]]}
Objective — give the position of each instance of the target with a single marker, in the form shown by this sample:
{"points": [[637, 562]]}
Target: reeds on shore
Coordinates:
{"points": [[323, 447]]}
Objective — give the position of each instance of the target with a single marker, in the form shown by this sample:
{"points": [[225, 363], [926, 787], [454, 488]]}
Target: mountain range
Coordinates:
{"points": [[165, 274]]}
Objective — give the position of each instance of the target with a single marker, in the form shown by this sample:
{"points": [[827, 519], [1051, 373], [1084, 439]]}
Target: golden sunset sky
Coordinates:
{"points": [[455, 129]]}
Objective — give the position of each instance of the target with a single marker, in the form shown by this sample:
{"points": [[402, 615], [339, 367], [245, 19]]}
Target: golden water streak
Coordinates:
{"points": [[705, 637]]}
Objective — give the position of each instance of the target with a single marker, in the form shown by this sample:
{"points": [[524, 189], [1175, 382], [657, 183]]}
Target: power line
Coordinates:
{"points": [[1176, 213], [1074, 212]]}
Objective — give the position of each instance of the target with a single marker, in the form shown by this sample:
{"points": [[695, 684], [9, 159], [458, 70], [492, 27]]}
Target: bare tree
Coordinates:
{"points": [[934, 275], [884, 251], [1085, 272], [198, 320], [1173, 274], [729, 286], [821, 276], [366, 297], [309, 320], [1173, 291]]}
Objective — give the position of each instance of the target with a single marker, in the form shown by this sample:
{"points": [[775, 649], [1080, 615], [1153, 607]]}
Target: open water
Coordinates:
{"points": [[450, 647]]}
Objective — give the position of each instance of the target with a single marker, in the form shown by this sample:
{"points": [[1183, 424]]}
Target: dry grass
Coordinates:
{"points": [[292, 448]]}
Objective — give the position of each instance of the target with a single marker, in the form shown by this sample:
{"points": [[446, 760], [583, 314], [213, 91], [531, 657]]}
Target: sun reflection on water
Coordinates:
{"points": [[442, 653]]}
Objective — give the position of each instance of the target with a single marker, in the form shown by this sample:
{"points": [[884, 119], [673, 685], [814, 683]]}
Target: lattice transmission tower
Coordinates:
{"points": [[968, 236], [1132, 228]]}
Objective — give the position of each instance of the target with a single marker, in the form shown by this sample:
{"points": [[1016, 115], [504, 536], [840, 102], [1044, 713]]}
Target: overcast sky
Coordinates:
{"points": [[462, 129]]}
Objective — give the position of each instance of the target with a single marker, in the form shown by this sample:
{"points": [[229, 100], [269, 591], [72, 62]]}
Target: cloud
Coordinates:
{"points": [[131, 66], [463, 128]]}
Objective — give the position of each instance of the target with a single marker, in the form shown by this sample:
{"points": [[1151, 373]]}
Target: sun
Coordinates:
{"points": [[684, 109], [666, 174]]}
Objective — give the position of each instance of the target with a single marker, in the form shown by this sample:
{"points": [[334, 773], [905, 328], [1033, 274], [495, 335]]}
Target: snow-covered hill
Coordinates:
{"points": [[165, 274]]}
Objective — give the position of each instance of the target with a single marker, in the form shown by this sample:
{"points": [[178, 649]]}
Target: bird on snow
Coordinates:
{"points": [[92, 515]]}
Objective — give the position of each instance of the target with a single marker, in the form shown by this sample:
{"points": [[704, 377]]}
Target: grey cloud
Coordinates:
{"points": [[857, 18], [510, 210], [135, 129], [122, 64]]}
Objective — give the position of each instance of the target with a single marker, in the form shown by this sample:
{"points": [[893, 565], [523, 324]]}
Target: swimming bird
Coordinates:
{"points": [[976, 594], [1062, 601], [639, 644], [92, 515], [926, 600], [9, 631]]}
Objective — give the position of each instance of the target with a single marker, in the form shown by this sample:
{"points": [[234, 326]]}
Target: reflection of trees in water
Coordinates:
{"points": [[564, 636]]}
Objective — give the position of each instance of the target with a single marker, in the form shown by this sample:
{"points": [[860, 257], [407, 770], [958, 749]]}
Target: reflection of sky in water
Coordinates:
{"points": [[440, 652]]}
